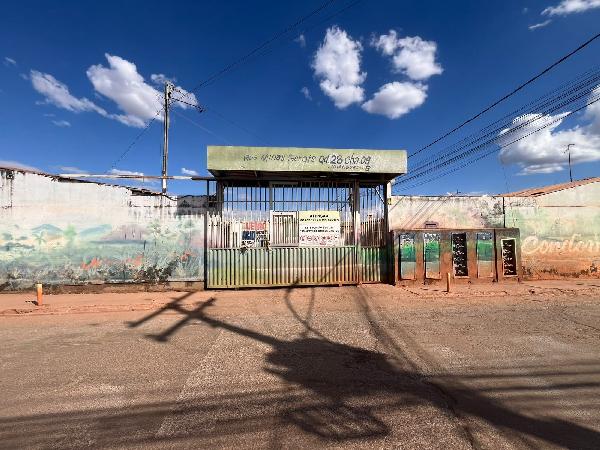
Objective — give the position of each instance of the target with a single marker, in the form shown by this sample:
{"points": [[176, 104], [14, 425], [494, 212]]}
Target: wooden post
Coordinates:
{"points": [[447, 281], [40, 294]]}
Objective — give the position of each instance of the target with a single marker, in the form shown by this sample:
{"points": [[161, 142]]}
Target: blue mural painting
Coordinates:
{"points": [[68, 254]]}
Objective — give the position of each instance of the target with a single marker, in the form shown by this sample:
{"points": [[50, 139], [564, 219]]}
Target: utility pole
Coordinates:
{"points": [[569, 152], [165, 155]]}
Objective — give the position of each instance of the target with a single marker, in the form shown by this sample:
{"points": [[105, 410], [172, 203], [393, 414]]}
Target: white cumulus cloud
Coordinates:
{"points": [[545, 150], [411, 55], [566, 7], [337, 64], [61, 123], [9, 61], [58, 94], [190, 172], [396, 99], [119, 82]]}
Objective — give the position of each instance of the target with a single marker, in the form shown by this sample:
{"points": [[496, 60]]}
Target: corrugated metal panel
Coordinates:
{"points": [[375, 263], [283, 266]]}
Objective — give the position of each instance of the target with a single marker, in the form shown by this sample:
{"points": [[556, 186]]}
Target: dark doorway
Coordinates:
{"points": [[459, 254], [509, 257]]}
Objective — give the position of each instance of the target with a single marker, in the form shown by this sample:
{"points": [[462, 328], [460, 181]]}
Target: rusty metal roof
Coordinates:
{"points": [[534, 192]]}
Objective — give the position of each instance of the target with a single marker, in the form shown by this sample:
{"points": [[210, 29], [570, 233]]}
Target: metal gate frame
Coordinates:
{"points": [[363, 257]]}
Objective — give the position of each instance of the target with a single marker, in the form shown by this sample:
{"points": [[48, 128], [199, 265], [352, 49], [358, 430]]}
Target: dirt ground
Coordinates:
{"points": [[372, 366]]}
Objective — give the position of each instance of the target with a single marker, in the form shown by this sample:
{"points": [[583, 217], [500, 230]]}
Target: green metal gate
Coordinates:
{"points": [[253, 237]]}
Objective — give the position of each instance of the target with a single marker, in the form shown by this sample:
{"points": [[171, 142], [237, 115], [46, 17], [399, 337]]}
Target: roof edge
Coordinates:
{"points": [[134, 190], [543, 190]]}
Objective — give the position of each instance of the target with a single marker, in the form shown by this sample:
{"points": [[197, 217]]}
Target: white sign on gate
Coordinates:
{"points": [[318, 228]]}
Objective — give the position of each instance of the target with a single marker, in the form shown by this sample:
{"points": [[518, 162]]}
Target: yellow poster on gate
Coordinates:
{"points": [[318, 228]]}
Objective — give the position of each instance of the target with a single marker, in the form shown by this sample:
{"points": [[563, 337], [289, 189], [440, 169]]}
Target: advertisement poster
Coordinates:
{"points": [[254, 234], [318, 228]]}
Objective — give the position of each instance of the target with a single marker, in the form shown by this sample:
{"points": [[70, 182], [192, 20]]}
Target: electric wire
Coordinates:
{"points": [[135, 140], [232, 66], [257, 53], [251, 56], [590, 76], [494, 150], [498, 137], [496, 131], [193, 122], [265, 44], [545, 107], [511, 93], [236, 125], [494, 140]]}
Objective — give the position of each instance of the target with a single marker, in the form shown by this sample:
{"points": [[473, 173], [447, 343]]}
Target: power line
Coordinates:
{"points": [[265, 50], [546, 125], [265, 44], [196, 106], [498, 132], [236, 125], [238, 63], [193, 122], [492, 141], [254, 54], [540, 108], [137, 138], [149, 124], [514, 91], [589, 77]]}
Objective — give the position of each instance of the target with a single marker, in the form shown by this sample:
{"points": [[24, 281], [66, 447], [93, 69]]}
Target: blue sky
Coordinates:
{"points": [[78, 80]]}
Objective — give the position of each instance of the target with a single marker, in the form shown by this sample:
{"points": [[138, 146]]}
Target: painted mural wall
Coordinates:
{"points": [[407, 212], [560, 232], [62, 232]]}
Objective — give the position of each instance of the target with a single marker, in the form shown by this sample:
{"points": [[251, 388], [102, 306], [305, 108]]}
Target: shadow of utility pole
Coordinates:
{"points": [[338, 374]]}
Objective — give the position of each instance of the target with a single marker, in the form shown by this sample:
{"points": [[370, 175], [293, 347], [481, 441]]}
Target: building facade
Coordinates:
{"points": [[559, 225], [66, 232]]}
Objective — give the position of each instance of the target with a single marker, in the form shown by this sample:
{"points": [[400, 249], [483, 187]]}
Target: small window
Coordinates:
{"points": [[509, 257], [459, 254], [284, 228], [408, 260], [485, 254], [431, 249]]}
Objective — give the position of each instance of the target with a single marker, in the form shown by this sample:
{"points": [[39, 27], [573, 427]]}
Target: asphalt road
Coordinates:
{"points": [[357, 367]]}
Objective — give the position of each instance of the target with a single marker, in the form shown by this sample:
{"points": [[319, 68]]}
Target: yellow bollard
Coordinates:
{"points": [[40, 294], [447, 281]]}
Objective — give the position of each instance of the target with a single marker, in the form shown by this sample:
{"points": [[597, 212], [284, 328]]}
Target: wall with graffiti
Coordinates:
{"points": [[59, 231], [560, 232]]}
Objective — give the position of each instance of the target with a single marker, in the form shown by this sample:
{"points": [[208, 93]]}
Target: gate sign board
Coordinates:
{"points": [[318, 228], [282, 160]]}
